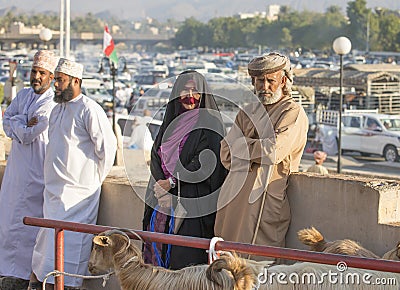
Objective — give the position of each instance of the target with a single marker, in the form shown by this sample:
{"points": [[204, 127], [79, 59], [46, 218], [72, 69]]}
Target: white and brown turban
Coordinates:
{"points": [[270, 63], [45, 59]]}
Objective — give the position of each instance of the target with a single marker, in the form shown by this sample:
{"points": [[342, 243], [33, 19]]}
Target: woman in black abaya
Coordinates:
{"points": [[185, 155]]}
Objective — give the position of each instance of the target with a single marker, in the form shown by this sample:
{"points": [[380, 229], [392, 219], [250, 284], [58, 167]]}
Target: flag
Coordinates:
{"points": [[108, 46]]}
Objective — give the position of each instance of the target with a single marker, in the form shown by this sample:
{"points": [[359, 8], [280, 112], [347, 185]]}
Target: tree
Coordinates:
{"points": [[357, 12], [88, 23], [324, 28], [377, 30], [219, 27], [205, 35], [249, 27], [389, 37], [286, 38], [7, 20], [299, 24], [188, 34]]}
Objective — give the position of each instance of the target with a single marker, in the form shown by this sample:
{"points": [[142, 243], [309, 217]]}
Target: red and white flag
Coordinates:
{"points": [[109, 47]]}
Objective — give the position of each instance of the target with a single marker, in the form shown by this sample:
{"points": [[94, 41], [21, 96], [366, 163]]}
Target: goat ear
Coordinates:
{"points": [[102, 241], [398, 250]]}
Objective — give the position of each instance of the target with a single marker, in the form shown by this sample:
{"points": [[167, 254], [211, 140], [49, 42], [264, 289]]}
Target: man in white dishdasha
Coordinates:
{"points": [[79, 156], [26, 122]]}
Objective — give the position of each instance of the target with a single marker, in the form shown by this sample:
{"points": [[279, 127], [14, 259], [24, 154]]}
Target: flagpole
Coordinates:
{"points": [[108, 49], [113, 72]]}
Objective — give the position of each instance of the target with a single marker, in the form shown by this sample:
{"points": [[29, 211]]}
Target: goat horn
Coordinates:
{"points": [[123, 231], [109, 233], [102, 241], [134, 233]]}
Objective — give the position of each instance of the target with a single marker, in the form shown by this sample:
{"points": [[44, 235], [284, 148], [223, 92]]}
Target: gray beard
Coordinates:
{"points": [[269, 99], [41, 89]]}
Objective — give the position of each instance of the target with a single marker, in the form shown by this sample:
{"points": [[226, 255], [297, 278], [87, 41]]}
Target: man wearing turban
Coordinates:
{"points": [[263, 147], [79, 156], [26, 122]]}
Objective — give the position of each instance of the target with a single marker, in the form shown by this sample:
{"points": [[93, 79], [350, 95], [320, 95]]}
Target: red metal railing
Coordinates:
{"points": [[201, 243], [59, 254]]}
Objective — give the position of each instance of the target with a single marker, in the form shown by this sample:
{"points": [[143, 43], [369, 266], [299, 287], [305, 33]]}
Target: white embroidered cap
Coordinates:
{"points": [[45, 59], [70, 68]]}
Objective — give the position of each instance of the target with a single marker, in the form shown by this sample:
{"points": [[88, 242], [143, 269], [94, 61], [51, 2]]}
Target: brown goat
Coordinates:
{"points": [[313, 238], [112, 250], [393, 254]]}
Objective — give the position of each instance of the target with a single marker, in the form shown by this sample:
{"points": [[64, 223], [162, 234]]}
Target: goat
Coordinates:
{"points": [[113, 250], [313, 276], [393, 254], [313, 238]]}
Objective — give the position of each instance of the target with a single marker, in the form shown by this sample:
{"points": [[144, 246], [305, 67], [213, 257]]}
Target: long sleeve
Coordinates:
{"points": [[103, 137], [286, 130], [242, 145], [225, 155], [194, 164], [246, 145], [12, 111], [25, 134], [25, 106], [155, 164]]}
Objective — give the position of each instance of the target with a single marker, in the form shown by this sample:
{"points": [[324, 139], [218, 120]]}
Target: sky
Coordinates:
{"points": [[181, 9]]}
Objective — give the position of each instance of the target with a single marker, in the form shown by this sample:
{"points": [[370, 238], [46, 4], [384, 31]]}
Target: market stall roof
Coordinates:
{"points": [[351, 77]]}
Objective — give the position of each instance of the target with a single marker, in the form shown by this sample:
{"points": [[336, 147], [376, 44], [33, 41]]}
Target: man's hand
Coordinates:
{"points": [[32, 122]]}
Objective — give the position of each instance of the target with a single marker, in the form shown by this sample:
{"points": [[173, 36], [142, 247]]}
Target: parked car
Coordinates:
{"points": [[126, 121], [367, 132], [156, 106], [147, 81], [95, 89]]}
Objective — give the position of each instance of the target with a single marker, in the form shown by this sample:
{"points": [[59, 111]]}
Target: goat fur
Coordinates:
{"points": [[313, 238], [305, 270], [113, 250], [393, 254]]}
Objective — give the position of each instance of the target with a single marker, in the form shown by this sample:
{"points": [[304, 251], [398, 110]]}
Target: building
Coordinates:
{"points": [[273, 12], [364, 86]]}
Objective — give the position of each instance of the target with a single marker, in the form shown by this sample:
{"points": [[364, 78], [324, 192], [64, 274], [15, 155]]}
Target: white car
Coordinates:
{"points": [[126, 121], [365, 132], [95, 89], [372, 134], [154, 100]]}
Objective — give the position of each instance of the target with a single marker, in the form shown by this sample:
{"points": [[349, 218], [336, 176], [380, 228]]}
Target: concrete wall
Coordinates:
{"points": [[340, 206], [363, 209], [121, 205]]}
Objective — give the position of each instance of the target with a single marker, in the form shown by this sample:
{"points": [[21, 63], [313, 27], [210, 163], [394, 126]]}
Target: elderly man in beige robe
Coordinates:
{"points": [[260, 151]]}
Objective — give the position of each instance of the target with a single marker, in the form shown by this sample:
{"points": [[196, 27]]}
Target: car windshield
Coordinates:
{"points": [[97, 91], [391, 124], [144, 79], [152, 92]]}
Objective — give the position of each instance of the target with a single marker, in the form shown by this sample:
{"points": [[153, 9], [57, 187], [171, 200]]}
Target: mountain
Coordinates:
{"points": [[105, 15], [12, 9], [181, 9], [17, 10]]}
